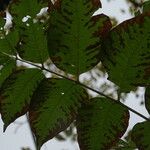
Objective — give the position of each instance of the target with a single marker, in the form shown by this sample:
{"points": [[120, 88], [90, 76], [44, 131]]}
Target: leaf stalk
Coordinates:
{"points": [[81, 84]]}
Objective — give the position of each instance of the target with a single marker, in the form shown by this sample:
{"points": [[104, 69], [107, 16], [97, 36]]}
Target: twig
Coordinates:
{"points": [[87, 87], [83, 85]]}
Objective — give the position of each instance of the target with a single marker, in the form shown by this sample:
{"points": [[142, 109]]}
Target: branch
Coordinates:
{"points": [[83, 85], [87, 87]]}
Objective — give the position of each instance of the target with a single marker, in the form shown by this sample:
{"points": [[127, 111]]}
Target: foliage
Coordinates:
{"points": [[140, 135], [75, 41], [93, 124], [62, 98], [72, 33], [121, 53], [14, 102]]}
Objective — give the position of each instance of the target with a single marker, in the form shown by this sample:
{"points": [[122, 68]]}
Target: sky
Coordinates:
{"points": [[17, 136]]}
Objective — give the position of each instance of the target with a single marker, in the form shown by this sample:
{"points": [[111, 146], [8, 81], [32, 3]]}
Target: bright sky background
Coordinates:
{"points": [[22, 138]]}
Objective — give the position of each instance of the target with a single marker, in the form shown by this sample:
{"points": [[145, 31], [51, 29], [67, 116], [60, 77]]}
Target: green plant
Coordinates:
{"points": [[75, 41]]}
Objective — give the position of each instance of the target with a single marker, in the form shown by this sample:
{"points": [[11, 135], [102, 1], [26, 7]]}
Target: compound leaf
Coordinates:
{"points": [[53, 107], [74, 35], [141, 135], [101, 124], [16, 92], [126, 53]]}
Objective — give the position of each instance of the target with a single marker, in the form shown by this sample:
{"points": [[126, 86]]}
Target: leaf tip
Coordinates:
{"points": [[5, 127]]}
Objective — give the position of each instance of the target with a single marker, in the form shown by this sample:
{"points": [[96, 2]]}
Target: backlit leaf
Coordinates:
{"points": [[74, 35], [126, 53], [53, 107], [141, 135], [16, 92], [101, 124]]}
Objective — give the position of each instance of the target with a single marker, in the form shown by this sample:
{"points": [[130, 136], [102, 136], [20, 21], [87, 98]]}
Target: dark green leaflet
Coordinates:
{"points": [[74, 36], [126, 53]]}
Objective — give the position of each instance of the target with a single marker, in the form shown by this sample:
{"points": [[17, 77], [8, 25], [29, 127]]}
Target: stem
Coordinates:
{"points": [[83, 85], [87, 87], [32, 135]]}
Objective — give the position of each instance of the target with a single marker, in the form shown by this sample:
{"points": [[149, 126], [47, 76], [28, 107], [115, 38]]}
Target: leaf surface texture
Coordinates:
{"points": [[16, 92], [141, 135], [126, 53], [53, 107], [74, 35], [34, 44], [101, 124]]}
